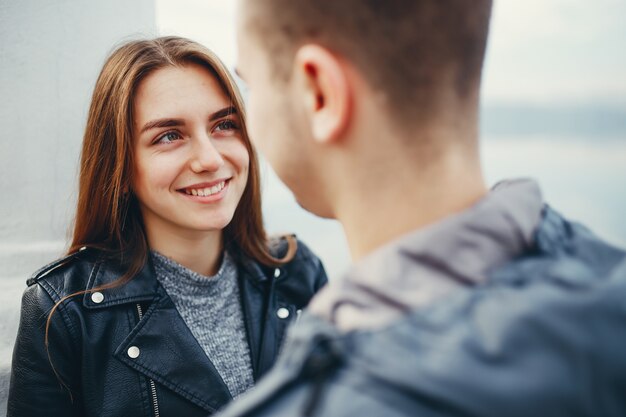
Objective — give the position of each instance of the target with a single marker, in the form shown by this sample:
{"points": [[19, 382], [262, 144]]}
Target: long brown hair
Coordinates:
{"points": [[107, 214]]}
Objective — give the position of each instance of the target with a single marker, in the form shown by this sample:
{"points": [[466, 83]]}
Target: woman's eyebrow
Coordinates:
{"points": [[162, 123], [226, 111]]}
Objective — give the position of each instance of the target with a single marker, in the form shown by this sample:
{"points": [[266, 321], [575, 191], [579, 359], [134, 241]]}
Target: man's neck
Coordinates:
{"points": [[380, 208]]}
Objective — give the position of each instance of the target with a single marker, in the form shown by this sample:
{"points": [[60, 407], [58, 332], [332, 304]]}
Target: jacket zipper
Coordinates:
{"points": [[153, 393]]}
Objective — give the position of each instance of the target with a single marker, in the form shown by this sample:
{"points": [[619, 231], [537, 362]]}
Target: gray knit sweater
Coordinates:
{"points": [[211, 308]]}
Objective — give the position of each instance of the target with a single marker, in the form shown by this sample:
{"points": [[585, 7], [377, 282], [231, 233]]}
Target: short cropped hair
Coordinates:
{"points": [[404, 48]]}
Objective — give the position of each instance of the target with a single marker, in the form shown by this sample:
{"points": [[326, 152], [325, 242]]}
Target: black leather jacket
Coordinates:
{"points": [[166, 373]]}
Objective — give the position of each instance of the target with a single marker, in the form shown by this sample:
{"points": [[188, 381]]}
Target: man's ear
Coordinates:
{"points": [[324, 88]]}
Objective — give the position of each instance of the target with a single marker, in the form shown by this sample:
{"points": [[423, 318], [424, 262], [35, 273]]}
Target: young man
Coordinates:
{"points": [[462, 301]]}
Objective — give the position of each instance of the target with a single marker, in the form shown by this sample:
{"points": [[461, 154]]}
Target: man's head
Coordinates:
{"points": [[321, 71]]}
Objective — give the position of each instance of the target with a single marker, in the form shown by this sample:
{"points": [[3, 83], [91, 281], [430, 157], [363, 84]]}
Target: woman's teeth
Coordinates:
{"points": [[205, 192]]}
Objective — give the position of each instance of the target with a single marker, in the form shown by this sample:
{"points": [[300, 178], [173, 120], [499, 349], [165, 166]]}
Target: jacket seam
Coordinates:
{"points": [[144, 389], [124, 300], [93, 274]]}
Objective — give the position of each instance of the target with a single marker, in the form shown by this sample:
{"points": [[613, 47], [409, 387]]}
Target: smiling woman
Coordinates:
{"points": [[191, 167], [171, 300]]}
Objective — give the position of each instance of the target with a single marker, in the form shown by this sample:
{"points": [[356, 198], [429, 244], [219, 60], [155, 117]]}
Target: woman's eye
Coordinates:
{"points": [[168, 137], [225, 125]]}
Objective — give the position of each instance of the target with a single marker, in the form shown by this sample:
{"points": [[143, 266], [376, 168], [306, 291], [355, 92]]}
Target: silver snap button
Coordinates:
{"points": [[276, 272], [97, 297], [282, 313], [133, 352]]}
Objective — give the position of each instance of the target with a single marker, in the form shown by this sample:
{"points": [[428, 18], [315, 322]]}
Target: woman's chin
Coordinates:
{"points": [[211, 226]]}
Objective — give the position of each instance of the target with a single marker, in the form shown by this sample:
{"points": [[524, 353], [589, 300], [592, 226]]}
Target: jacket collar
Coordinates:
{"points": [[258, 273], [170, 355], [142, 287]]}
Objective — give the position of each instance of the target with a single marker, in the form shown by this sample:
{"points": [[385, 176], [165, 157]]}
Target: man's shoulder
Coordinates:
{"points": [[567, 253], [541, 336], [311, 352], [515, 343], [485, 352]]}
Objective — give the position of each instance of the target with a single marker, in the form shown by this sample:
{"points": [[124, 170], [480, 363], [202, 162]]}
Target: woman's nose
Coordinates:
{"points": [[206, 156]]}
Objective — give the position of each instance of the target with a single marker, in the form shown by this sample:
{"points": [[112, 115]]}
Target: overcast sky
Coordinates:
{"points": [[541, 51]]}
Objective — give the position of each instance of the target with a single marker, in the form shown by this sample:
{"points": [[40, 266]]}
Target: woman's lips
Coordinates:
{"points": [[207, 191]]}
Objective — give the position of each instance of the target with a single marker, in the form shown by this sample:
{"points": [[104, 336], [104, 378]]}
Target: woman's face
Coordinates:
{"points": [[191, 164]]}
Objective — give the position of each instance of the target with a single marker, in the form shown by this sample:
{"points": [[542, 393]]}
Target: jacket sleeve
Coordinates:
{"points": [[35, 388]]}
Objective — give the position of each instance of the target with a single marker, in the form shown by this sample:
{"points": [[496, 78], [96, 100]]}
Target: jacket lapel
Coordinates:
{"points": [[255, 307], [258, 299], [170, 355], [168, 352]]}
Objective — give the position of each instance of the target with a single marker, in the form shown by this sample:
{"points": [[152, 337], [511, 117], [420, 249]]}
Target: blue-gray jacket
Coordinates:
{"points": [[545, 335]]}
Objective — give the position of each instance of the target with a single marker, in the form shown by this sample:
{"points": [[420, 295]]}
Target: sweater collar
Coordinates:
{"points": [[142, 287]]}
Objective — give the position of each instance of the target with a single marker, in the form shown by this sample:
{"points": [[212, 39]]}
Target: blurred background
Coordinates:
{"points": [[554, 108]]}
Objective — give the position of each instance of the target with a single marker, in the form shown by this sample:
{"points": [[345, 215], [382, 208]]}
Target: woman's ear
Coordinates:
{"points": [[324, 89]]}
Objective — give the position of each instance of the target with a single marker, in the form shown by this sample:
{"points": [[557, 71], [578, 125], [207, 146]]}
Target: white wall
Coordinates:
{"points": [[50, 55]]}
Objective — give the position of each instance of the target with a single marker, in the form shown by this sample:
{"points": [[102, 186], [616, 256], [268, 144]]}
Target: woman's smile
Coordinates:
{"points": [[206, 192]]}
